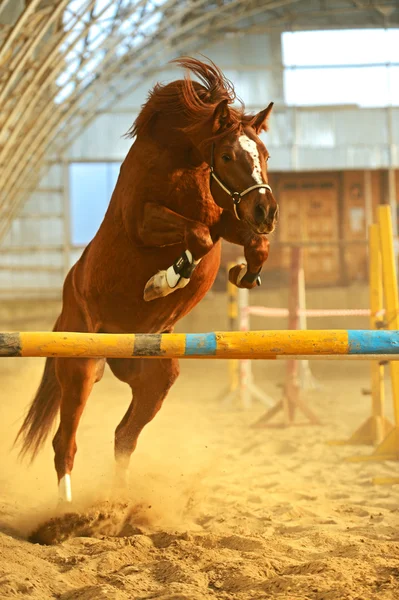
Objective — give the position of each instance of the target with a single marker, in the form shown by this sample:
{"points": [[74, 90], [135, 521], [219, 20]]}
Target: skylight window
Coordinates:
{"points": [[341, 67]]}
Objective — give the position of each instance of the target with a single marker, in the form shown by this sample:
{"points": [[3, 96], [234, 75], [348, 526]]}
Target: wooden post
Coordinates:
{"points": [[306, 379], [292, 390], [241, 386], [232, 307], [229, 395], [245, 364]]}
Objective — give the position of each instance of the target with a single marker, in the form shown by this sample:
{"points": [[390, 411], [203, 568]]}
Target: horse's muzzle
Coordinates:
{"points": [[265, 218]]}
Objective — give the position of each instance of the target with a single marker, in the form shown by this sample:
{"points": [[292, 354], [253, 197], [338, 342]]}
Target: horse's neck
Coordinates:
{"points": [[169, 174]]}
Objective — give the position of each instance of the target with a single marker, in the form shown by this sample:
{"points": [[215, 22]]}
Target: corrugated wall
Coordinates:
{"points": [[299, 138], [32, 255]]}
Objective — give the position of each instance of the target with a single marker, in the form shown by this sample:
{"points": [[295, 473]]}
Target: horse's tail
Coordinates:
{"points": [[42, 412]]}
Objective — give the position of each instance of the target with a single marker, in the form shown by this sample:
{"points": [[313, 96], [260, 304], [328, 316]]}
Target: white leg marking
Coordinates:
{"points": [[251, 147], [65, 489]]}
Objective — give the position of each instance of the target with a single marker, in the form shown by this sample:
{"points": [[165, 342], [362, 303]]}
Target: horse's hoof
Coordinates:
{"points": [[239, 276], [158, 286]]}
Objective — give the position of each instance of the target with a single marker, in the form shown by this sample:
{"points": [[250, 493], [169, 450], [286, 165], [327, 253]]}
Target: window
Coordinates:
{"points": [[341, 67], [90, 186]]}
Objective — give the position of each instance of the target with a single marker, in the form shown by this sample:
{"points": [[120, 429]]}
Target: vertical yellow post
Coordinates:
{"points": [[390, 293], [380, 426], [388, 449], [376, 427]]}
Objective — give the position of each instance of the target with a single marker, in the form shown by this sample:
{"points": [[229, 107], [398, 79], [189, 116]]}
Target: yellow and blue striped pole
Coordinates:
{"points": [[355, 344]]}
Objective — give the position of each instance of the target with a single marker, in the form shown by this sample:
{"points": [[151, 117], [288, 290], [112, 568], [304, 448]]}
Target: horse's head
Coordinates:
{"points": [[238, 163], [223, 136]]}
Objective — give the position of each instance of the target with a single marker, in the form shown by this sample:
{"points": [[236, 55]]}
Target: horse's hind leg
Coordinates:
{"points": [[150, 381], [76, 377]]}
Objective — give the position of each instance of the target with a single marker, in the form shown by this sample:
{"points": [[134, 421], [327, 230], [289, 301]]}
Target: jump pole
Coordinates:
{"points": [[388, 449], [247, 345]]}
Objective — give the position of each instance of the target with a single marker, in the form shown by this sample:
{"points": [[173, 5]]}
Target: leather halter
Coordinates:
{"points": [[236, 196]]}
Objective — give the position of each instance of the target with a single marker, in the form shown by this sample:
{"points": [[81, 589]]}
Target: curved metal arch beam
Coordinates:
{"points": [[21, 58], [14, 166], [19, 25], [31, 97]]}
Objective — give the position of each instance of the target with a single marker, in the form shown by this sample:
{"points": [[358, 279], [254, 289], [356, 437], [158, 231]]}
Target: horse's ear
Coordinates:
{"points": [[221, 117], [260, 121]]}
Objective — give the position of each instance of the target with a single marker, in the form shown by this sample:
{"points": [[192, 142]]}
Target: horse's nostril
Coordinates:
{"points": [[260, 213]]}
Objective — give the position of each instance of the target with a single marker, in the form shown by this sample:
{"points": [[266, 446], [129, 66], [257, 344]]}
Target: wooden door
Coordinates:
{"points": [[309, 213]]}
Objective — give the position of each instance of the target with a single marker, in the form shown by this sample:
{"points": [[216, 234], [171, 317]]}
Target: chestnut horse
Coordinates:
{"points": [[195, 174]]}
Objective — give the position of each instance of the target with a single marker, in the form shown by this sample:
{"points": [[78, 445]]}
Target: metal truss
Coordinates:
{"points": [[63, 61]]}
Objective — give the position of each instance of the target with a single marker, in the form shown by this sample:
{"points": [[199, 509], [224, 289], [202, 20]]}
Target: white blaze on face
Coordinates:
{"points": [[251, 147]]}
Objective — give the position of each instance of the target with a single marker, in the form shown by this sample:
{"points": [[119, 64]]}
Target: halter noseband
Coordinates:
{"points": [[236, 196]]}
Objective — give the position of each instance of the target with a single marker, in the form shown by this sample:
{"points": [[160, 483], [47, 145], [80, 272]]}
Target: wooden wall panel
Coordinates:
{"points": [[354, 224], [309, 213]]}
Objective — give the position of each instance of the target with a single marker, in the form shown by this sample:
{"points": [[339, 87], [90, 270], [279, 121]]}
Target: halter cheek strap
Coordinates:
{"points": [[236, 196]]}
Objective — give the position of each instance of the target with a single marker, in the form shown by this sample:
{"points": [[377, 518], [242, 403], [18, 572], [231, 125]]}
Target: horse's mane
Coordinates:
{"points": [[197, 100]]}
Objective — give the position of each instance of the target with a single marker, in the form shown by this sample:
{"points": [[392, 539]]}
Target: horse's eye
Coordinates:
{"points": [[267, 158], [226, 158]]}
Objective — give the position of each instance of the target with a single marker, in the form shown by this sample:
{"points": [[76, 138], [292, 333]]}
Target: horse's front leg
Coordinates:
{"points": [[256, 251], [163, 227]]}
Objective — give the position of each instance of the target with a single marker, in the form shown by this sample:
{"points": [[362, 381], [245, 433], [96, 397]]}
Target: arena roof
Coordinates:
{"points": [[59, 59]]}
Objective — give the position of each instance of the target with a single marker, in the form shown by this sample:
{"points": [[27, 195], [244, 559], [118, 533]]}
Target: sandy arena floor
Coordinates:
{"points": [[215, 510]]}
